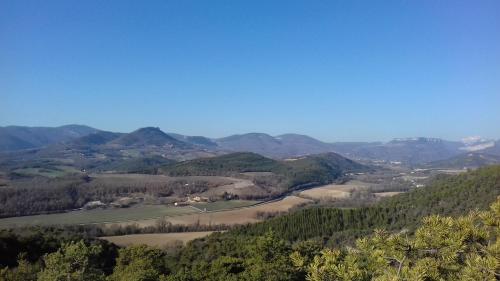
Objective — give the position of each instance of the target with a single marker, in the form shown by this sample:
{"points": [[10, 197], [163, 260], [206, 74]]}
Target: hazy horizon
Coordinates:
{"points": [[333, 70]]}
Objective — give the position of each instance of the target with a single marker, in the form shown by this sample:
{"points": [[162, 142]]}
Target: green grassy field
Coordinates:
{"points": [[139, 212], [223, 205]]}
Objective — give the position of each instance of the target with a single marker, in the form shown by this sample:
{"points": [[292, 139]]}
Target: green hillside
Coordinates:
{"points": [[148, 136], [223, 165], [134, 165], [450, 195], [321, 168], [315, 169], [471, 160]]}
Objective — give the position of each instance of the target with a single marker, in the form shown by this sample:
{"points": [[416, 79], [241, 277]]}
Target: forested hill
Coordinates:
{"points": [[450, 195], [313, 169], [223, 165], [447, 195]]}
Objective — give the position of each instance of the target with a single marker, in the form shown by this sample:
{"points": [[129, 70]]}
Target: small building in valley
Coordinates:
{"points": [[93, 205]]}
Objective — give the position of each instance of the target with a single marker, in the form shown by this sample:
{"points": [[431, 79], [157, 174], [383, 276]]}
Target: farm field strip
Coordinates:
{"points": [[219, 206], [123, 215], [387, 194], [241, 215], [333, 191], [99, 216]]}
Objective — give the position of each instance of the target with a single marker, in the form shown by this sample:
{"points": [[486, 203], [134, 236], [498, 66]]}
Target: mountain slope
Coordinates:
{"points": [[239, 162], [19, 137], [295, 144], [195, 140], [253, 142], [321, 169], [134, 165], [97, 138], [409, 151], [148, 136], [466, 161], [283, 146], [11, 142], [494, 150]]}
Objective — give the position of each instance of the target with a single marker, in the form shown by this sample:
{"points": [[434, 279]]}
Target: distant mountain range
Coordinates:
{"points": [[284, 146], [153, 141], [470, 160], [20, 137], [195, 140], [408, 151]]}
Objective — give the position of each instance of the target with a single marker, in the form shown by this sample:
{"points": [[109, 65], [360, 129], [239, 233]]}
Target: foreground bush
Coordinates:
{"points": [[443, 248]]}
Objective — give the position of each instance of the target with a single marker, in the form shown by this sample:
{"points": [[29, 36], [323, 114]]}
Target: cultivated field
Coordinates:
{"points": [[386, 194], [224, 205], [236, 186], [231, 217], [334, 191], [156, 240], [99, 216]]}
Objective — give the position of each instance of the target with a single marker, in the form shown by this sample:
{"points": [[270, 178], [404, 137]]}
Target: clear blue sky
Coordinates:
{"points": [[335, 70]]}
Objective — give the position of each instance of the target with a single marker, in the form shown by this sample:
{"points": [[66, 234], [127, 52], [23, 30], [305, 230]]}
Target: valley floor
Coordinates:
{"points": [[242, 215], [230, 212]]}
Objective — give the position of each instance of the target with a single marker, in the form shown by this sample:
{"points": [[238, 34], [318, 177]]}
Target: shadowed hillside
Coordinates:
{"points": [[146, 137], [19, 137]]}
